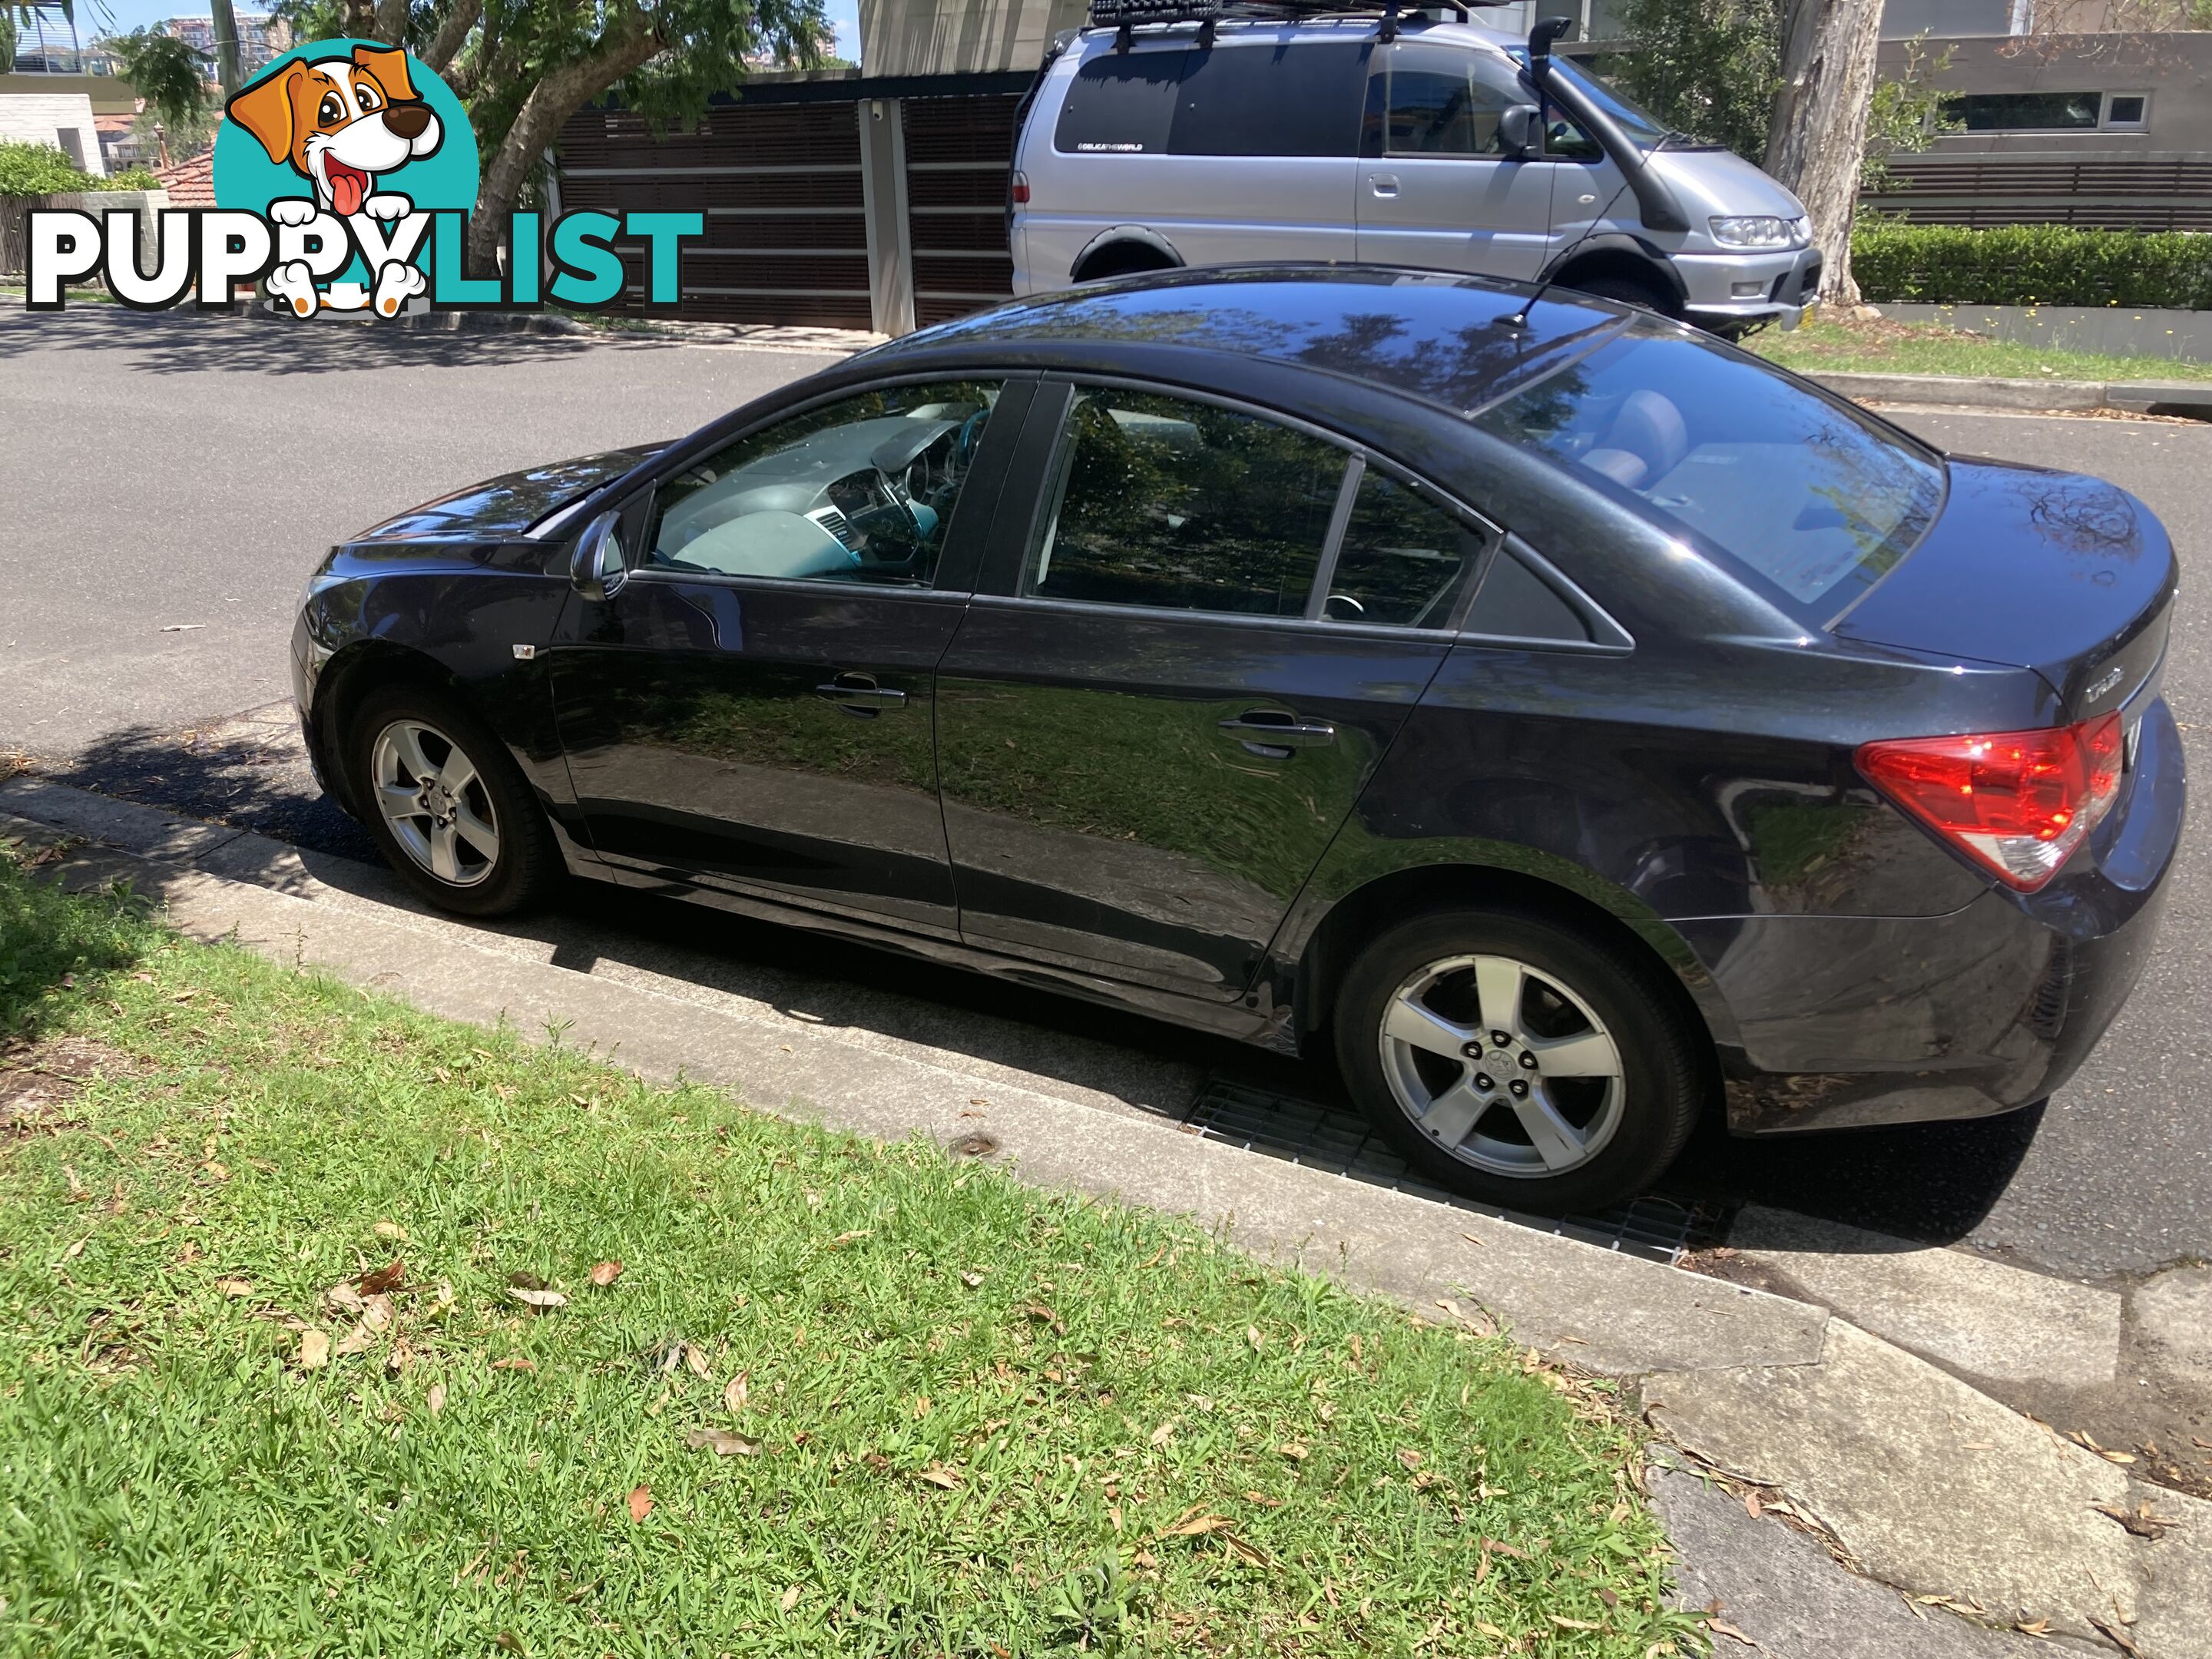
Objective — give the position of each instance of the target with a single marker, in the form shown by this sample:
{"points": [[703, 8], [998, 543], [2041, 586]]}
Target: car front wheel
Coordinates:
{"points": [[1518, 1061], [448, 805]]}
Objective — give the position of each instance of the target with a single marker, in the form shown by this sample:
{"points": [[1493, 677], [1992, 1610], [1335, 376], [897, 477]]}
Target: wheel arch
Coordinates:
{"points": [[1116, 237], [1625, 256], [1387, 899], [355, 670]]}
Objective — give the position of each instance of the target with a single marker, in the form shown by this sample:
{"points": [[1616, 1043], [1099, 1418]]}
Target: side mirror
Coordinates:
{"points": [[597, 567], [1520, 126]]}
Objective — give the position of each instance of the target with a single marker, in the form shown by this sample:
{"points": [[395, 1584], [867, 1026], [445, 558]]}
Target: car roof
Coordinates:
{"points": [[1229, 31], [1447, 340]]}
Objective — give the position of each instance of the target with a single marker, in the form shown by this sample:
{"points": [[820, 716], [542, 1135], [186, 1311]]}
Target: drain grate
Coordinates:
{"points": [[1321, 1135]]}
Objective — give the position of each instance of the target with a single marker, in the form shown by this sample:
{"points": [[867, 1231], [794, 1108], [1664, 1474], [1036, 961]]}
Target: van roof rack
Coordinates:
{"points": [[1123, 16]]}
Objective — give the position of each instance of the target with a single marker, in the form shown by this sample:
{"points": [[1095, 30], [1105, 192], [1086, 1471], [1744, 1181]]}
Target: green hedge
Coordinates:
{"points": [[2032, 266], [42, 170]]}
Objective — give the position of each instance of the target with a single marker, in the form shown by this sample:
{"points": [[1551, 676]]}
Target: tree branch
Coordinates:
{"points": [[390, 24], [450, 33], [562, 93]]}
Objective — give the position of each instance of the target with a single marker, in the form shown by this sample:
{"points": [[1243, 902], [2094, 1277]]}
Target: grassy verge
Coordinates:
{"points": [[1887, 348], [329, 1328]]}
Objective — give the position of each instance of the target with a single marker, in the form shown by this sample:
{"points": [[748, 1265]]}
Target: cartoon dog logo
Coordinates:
{"points": [[342, 123]]}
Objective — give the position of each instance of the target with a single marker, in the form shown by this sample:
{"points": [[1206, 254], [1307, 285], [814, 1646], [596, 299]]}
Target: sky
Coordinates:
{"points": [[99, 16]]}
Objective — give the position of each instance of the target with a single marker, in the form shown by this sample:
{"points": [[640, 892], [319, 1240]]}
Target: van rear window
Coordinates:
{"points": [[1262, 99], [1121, 103], [1810, 496]]}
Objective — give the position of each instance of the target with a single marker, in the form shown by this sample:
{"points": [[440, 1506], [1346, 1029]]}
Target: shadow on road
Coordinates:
{"points": [[185, 341]]}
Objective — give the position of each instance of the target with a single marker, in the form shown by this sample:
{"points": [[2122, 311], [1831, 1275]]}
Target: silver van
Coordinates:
{"points": [[1413, 141]]}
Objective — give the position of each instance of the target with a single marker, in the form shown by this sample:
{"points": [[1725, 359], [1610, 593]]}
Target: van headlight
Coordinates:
{"points": [[1751, 230]]}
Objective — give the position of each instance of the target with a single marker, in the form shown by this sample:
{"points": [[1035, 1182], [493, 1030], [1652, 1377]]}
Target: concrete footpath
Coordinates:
{"points": [[1798, 1433]]}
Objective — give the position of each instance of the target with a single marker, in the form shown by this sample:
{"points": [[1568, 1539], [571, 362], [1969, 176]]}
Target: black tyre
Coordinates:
{"points": [[1628, 291], [1518, 1061], [448, 805]]}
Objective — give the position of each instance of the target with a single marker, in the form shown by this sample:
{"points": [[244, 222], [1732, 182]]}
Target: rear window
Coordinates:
{"points": [[1814, 498], [1122, 102], [1270, 99]]}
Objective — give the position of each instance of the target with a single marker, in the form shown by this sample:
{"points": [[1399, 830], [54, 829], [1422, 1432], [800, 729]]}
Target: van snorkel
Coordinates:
{"points": [[1655, 198]]}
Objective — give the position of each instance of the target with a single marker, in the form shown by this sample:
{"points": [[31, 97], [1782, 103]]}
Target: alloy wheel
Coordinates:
{"points": [[1502, 1066], [434, 802]]}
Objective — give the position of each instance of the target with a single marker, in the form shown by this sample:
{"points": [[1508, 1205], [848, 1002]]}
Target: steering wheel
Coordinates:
{"points": [[965, 445]]}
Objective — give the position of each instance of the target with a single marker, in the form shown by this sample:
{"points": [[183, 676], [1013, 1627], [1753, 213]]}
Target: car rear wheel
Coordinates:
{"points": [[1518, 1061], [447, 803]]}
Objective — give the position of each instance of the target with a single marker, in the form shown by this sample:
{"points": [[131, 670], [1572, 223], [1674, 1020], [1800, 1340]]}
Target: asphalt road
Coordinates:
{"points": [[172, 471]]}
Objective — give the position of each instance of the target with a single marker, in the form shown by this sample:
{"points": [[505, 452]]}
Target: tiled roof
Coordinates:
{"points": [[190, 182]]}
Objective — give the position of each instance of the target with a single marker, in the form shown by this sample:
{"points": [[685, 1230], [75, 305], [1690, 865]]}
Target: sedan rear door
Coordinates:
{"points": [[1200, 629]]}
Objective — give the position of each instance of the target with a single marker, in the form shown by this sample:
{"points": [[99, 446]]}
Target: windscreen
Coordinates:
{"points": [[1812, 497], [1640, 129]]}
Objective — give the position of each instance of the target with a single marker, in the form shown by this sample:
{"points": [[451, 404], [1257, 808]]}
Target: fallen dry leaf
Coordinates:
{"points": [[789, 1599], [938, 1475], [1262, 1498], [359, 1340], [344, 1296], [436, 1401], [1565, 1623], [696, 1358], [1195, 1523], [2119, 1638], [1165, 1433], [541, 1300], [733, 1394], [1409, 1457], [234, 1287], [605, 1273], [971, 1280], [2140, 1522], [391, 1230], [314, 1350], [507, 1642], [514, 1363], [641, 1502], [1252, 1336], [1293, 1449], [1719, 1628]]}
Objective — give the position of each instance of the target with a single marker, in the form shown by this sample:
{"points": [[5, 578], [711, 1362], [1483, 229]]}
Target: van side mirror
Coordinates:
{"points": [[1519, 128], [596, 567]]}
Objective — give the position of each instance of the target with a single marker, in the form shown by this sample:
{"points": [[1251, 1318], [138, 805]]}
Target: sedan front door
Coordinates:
{"points": [[1180, 670], [752, 708]]}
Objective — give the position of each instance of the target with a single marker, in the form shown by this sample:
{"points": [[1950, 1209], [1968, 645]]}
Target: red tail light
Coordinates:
{"points": [[1021, 189], [2016, 802]]}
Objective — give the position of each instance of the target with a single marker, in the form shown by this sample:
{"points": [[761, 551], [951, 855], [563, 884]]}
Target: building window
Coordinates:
{"points": [[2126, 110], [2025, 112]]}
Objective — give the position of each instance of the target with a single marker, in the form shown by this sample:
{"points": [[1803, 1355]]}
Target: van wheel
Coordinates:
{"points": [[1629, 291], [1518, 1061], [1122, 260], [446, 804]]}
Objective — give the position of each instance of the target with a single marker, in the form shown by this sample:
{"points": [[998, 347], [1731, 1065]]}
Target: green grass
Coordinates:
{"points": [[973, 1414], [1887, 348]]}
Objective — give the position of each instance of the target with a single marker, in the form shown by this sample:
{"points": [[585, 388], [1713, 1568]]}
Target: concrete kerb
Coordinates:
{"points": [[1931, 1484], [2189, 399]]}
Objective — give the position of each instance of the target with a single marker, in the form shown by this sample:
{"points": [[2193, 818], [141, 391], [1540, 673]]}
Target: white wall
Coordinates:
{"points": [[42, 117]]}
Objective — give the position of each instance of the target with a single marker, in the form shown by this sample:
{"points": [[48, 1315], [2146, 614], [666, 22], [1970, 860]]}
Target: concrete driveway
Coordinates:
{"points": [[177, 472]]}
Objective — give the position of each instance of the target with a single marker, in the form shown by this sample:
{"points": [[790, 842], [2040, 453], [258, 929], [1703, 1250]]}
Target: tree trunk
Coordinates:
{"points": [[1818, 136], [222, 23], [536, 123], [451, 33], [390, 24]]}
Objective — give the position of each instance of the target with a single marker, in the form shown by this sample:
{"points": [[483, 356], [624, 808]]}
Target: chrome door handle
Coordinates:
{"points": [[1384, 184], [1272, 733], [858, 694]]}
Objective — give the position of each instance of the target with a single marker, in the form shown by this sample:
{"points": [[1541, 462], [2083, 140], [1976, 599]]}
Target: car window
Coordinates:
{"points": [[1434, 103], [1515, 603], [1273, 99], [1808, 494], [1160, 501], [1120, 102], [859, 491], [1405, 561]]}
